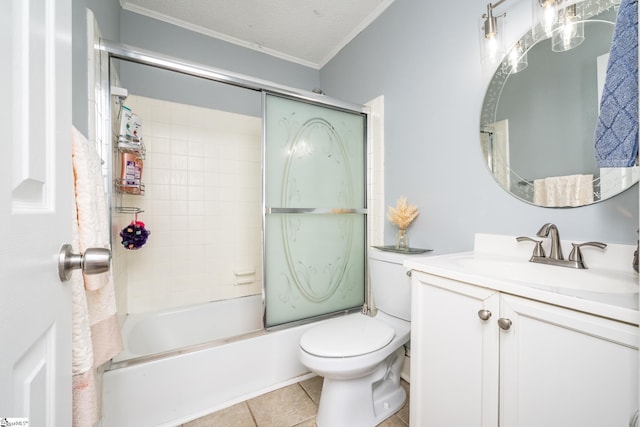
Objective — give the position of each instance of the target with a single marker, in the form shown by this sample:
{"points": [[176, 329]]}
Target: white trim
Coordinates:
{"points": [[375, 166]]}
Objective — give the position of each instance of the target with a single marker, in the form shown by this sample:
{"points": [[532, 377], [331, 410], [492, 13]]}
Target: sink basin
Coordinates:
{"points": [[542, 276]]}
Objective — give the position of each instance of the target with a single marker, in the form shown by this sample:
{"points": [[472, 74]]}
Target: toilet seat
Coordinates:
{"points": [[347, 336]]}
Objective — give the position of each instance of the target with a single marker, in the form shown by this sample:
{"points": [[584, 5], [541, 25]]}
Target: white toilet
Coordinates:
{"points": [[360, 357]]}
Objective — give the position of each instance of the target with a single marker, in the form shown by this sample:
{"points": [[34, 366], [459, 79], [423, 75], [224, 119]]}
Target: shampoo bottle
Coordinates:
{"points": [[128, 181]]}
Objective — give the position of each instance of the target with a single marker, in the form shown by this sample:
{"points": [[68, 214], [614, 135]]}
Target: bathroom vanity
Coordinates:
{"points": [[497, 340]]}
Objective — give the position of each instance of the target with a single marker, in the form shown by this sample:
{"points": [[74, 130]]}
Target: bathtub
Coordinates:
{"points": [[166, 331], [180, 385]]}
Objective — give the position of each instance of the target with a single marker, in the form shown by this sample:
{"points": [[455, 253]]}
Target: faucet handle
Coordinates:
{"points": [[538, 250], [576, 253]]}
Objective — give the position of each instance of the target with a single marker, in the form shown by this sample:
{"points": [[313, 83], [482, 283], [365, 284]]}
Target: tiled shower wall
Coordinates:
{"points": [[202, 204]]}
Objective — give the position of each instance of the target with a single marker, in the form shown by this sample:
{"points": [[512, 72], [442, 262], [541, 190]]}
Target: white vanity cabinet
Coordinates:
{"points": [[454, 356], [528, 364]]}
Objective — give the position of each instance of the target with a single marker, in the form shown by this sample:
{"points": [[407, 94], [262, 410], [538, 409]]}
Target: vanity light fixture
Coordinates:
{"points": [[492, 42], [559, 20], [516, 59], [545, 18], [569, 30]]}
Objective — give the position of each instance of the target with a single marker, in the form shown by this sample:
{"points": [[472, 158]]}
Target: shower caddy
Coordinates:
{"points": [[126, 148]]}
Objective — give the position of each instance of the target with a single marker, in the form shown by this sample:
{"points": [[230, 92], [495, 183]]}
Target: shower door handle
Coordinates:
{"points": [[93, 261]]}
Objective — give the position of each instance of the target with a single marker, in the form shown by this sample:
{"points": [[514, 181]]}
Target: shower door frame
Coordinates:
{"points": [[169, 63], [112, 50], [304, 211]]}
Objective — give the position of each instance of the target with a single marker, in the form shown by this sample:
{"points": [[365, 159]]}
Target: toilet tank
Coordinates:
{"points": [[390, 284]]}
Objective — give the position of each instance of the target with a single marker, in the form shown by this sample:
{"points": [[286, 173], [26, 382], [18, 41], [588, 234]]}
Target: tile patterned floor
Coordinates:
{"points": [[291, 406]]}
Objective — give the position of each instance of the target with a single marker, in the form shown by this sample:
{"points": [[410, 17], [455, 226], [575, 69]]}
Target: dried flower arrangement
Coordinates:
{"points": [[403, 214]]}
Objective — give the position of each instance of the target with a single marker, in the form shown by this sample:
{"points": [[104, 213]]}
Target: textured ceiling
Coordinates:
{"points": [[309, 32]]}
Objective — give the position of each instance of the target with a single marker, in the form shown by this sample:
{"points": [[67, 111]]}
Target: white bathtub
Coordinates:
{"points": [[160, 332], [171, 390]]}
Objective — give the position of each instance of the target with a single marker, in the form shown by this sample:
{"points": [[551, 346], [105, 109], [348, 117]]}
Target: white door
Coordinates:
{"points": [[35, 210]]}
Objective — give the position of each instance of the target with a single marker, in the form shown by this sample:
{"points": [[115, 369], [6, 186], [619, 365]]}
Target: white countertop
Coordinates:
{"points": [[609, 288]]}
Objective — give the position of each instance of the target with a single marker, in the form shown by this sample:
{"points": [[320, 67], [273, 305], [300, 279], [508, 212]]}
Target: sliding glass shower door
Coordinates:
{"points": [[315, 210]]}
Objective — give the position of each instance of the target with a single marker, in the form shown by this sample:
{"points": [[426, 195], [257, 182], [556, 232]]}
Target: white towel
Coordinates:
{"points": [[563, 191], [91, 204], [85, 402], [96, 332]]}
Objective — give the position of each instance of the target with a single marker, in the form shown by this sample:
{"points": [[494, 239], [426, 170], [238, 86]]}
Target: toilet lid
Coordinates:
{"points": [[347, 336]]}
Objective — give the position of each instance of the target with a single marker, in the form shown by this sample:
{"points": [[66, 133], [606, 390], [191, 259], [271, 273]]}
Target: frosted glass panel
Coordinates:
{"points": [[314, 156], [315, 267], [315, 225]]}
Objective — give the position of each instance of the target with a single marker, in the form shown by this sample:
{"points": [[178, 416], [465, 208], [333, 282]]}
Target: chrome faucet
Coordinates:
{"points": [[555, 252], [556, 249]]}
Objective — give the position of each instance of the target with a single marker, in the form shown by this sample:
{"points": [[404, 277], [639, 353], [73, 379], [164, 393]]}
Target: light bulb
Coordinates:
{"points": [[569, 31], [549, 16], [492, 45], [516, 59], [545, 17]]}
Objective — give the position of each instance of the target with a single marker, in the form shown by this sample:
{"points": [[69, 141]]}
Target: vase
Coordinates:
{"points": [[402, 240]]}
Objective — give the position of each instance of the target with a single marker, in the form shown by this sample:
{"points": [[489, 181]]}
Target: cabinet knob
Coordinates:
{"points": [[484, 314], [505, 324]]}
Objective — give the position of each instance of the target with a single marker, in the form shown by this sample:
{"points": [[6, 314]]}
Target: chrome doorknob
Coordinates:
{"points": [[94, 261]]}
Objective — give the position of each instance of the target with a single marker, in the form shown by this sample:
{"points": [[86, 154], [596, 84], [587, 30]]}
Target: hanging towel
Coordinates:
{"points": [[91, 204], [616, 135], [85, 402], [563, 191], [96, 331]]}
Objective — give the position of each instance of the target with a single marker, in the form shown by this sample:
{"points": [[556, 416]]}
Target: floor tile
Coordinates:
{"points": [[392, 421], [284, 407], [313, 387], [309, 423], [403, 413], [292, 406], [234, 416]]}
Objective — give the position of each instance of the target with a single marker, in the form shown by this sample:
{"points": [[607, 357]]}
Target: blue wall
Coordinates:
{"points": [[148, 33], [424, 58]]}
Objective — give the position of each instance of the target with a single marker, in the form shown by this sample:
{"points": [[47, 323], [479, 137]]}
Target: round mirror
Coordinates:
{"points": [[539, 116]]}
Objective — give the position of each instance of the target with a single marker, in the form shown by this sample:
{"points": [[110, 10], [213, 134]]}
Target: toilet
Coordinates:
{"points": [[360, 357]]}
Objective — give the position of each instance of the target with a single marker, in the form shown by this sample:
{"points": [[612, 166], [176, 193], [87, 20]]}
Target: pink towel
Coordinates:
{"points": [[96, 332]]}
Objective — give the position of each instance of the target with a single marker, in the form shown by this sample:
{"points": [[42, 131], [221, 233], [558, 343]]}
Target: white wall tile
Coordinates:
{"points": [[203, 176]]}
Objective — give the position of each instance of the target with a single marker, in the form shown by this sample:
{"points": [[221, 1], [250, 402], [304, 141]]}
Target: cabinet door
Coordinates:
{"points": [[454, 354], [565, 368]]}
